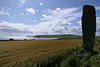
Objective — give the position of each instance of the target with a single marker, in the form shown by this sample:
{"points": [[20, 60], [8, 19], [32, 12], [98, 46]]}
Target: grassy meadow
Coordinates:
{"points": [[47, 53], [11, 51]]}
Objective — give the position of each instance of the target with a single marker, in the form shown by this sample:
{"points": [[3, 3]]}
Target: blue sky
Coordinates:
{"points": [[41, 17]]}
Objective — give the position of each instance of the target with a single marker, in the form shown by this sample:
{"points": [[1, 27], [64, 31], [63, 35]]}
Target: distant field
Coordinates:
{"points": [[11, 51]]}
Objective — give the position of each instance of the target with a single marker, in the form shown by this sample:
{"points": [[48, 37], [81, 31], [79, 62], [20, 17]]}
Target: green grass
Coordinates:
{"points": [[85, 59]]}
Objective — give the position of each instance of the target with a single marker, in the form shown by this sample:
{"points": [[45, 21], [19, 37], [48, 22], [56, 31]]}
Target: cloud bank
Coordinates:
{"points": [[30, 10]]}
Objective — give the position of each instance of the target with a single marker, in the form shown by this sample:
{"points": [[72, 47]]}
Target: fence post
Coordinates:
{"points": [[76, 50]]}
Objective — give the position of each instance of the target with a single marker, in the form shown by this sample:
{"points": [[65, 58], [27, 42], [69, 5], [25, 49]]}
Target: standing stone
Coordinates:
{"points": [[88, 27]]}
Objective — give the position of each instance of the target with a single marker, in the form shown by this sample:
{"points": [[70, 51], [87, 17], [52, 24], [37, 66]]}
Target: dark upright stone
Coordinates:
{"points": [[88, 27]]}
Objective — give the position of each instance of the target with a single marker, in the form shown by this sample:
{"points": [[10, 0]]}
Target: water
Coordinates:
{"points": [[45, 38], [26, 38]]}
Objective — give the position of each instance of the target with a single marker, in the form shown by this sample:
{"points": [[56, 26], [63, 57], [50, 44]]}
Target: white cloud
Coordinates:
{"points": [[98, 18], [97, 8], [7, 25], [61, 20], [58, 21], [47, 27], [4, 13], [31, 10], [22, 14], [14, 28], [69, 14], [98, 26], [22, 1], [76, 30], [3, 9], [79, 22], [37, 10], [34, 20]]}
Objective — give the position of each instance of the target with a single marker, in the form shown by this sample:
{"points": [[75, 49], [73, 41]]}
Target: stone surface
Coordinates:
{"points": [[88, 27]]}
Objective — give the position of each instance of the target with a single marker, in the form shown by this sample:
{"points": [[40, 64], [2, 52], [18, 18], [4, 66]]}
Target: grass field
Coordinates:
{"points": [[47, 53], [11, 51]]}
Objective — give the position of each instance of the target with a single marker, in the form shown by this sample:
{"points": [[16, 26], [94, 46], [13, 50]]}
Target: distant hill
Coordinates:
{"points": [[53, 35], [60, 37]]}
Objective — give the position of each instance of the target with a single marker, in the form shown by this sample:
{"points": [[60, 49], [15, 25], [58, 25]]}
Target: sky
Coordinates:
{"points": [[43, 17]]}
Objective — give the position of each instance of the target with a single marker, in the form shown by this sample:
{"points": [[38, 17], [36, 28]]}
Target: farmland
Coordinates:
{"points": [[11, 51], [47, 53]]}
